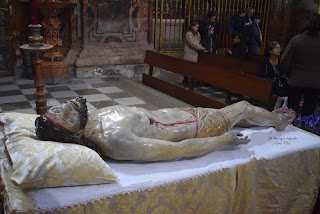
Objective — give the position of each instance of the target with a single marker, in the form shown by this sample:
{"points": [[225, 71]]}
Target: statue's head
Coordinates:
{"points": [[71, 117], [65, 123]]}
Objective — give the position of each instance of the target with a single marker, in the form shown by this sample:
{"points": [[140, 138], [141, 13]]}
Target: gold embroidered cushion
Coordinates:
{"points": [[40, 164]]}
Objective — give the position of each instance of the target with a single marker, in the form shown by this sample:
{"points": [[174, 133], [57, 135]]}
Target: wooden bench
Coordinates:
{"points": [[247, 85], [255, 57], [245, 66]]}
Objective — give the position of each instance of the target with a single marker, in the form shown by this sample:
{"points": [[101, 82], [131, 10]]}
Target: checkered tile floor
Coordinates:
{"points": [[17, 94]]}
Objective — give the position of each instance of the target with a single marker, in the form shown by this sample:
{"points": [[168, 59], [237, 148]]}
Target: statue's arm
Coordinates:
{"points": [[128, 146]]}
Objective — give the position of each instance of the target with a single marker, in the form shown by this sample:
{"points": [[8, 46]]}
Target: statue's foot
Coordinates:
{"points": [[286, 116]]}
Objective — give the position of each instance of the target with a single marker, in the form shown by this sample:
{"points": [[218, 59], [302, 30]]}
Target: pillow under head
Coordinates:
{"points": [[40, 164]]}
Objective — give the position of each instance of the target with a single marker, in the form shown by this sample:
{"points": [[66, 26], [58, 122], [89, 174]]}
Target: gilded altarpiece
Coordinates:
{"points": [[115, 32]]}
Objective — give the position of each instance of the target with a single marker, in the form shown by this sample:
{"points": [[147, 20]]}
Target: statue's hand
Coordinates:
{"points": [[237, 139]]}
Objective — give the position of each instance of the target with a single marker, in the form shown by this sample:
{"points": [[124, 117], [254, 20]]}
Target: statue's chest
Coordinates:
{"points": [[105, 124]]}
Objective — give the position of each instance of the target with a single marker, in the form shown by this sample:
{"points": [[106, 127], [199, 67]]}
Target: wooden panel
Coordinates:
{"points": [[248, 85], [247, 66], [250, 67], [251, 86], [254, 57], [180, 93], [173, 64], [225, 62]]}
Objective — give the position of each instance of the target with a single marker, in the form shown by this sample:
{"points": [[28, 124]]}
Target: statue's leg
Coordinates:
{"points": [[245, 115]]}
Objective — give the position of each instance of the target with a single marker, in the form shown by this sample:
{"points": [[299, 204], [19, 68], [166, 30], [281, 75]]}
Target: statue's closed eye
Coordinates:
{"points": [[56, 109], [70, 115], [69, 119]]}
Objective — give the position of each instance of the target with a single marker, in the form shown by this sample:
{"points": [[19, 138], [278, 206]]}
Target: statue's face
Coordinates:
{"points": [[66, 115]]}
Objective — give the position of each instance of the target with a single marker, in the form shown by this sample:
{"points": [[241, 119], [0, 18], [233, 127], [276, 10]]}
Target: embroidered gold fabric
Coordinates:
{"points": [[287, 184], [13, 198], [39, 164]]}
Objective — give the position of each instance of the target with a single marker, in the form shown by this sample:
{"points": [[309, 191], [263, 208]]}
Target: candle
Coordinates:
{"points": [[34, 12]]}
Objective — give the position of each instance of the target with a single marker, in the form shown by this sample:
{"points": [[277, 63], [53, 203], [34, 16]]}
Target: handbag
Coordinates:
{"points": [[281, 87]]}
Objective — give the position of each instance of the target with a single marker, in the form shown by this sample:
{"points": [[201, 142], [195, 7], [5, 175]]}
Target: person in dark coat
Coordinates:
{"points": [[248, 16], [207, 40], [211, 20], [255, 36], [269, 65], [248, 19], [301, 60], [270, 68], [238, 48], [238, 22]]}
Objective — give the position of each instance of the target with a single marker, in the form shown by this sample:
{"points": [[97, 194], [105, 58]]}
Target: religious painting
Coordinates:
{"points": [[113, 17], [112, 21]]}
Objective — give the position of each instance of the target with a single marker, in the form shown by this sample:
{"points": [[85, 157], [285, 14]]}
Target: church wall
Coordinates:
{"points": [[102, 37], [287, 18]]}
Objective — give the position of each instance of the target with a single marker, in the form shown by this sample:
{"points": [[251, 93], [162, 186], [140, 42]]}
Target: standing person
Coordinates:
{"points": [[211, 20], [255, 36], [238, 23], [206, 39], [248, 16], [270, 68], [192, 45], [248, 20], [301, 60], [238, 48]]}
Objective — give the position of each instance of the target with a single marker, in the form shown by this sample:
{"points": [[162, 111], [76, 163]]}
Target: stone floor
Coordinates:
{"points": [[17, 94]]}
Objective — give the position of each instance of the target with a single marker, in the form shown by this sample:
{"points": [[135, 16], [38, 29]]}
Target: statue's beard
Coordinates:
{"points": [[83, 111], [45, 130], [48, 132]]}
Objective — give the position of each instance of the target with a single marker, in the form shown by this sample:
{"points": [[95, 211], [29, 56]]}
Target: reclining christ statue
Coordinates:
{"points": [[131, 133]]}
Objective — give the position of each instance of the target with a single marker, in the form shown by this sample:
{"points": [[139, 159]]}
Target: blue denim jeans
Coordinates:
{"points": [[253, 49]]}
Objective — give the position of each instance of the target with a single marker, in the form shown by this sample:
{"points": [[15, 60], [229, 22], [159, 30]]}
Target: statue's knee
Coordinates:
{"points": [[246, 107], [245, 103]]}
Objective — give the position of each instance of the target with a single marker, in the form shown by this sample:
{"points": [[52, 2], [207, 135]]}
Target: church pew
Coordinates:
{"points": [[254, 57], [246, 66], [247, 85]]}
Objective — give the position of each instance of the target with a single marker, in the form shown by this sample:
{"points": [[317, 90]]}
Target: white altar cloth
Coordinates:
{"points": [[266, 143]]}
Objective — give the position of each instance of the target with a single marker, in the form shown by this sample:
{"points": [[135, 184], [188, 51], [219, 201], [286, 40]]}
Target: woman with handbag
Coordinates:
{"points": [[269, 68]]}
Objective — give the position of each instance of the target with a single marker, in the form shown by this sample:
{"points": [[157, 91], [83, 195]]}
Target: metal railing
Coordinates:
{"points": [[172, 17]]}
